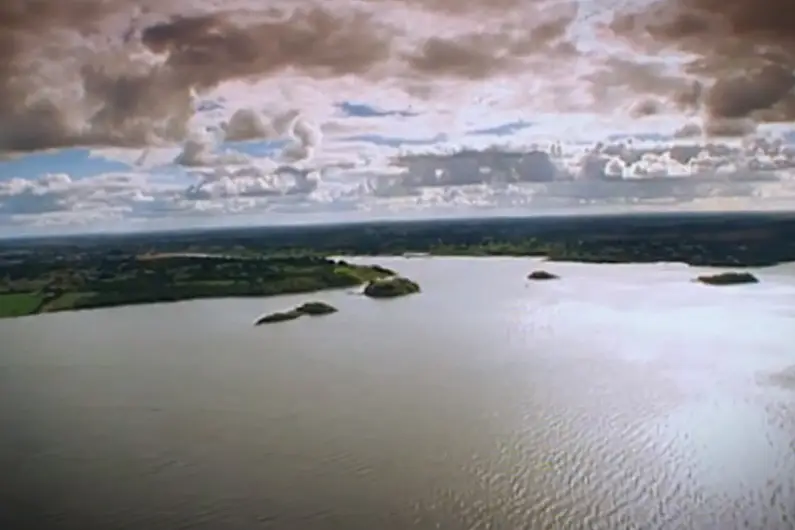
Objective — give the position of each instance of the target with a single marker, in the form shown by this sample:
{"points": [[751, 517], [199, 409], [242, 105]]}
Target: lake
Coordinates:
{"points": [[621, 396]]}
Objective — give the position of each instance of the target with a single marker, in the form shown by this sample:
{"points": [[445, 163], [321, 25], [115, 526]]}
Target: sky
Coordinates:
{"points": [[118, 115]]}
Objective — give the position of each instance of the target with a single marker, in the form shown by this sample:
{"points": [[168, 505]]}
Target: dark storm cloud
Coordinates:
{"points": [[479, 55], [745, 49], [213, 48], [72, 72], [131, 103]]}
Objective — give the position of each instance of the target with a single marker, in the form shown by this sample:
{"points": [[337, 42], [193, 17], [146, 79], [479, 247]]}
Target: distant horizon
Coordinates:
{"points": [[548, 216]]}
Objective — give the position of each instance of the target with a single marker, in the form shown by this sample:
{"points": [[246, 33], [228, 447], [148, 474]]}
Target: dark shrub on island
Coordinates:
{"points": [[316, 308], [281, 316], [309, 308], [391, 287], [542, 275], [728, 278]]}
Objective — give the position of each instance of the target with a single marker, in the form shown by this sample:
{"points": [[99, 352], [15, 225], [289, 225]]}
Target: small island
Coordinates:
{"points": [[542, 275], [308, 309], [391, 287], [728, 278]]}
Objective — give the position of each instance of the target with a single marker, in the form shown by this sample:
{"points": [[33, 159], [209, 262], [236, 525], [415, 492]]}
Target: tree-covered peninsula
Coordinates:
{"points": [[109, 279]]}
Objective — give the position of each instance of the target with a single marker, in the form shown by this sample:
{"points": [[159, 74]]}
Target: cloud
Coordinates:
{"points": [[382, 105], [58, 199], [63, 82], [59, 196], [248, 124], [253, 181], [370, 180], [116, 73], [112, 73], [200, 151], [743, 50], [475, 167], [618, 80], [480, 55], [208, 49], [617, 173]]}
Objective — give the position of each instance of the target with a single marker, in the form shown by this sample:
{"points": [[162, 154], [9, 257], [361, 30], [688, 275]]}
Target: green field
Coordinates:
{"points": [[19, 304], [65, 302]]}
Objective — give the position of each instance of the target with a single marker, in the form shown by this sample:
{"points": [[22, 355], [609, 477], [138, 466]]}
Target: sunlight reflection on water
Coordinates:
{"points": [[617, 397]]}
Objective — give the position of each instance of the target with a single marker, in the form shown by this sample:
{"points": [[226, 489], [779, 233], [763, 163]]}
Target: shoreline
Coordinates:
{"points": [[180, 279], [547, 259], [374, 269], [107, 271]]}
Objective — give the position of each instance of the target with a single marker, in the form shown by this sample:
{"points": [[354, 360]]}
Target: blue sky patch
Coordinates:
{"points": [[641, 137], [502, 130], [77, 163], [208, 105], [391, 141], [361, 110], [788, 137]]}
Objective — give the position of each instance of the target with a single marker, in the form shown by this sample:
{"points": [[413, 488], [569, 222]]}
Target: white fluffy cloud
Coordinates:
{"points": [[368, 179]]}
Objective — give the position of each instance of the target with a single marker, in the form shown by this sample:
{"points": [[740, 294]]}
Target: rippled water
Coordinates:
{"points": [[622, 396]]}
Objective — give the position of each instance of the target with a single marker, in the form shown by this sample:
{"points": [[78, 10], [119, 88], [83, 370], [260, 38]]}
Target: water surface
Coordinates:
{"points": [[621, 396]]}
